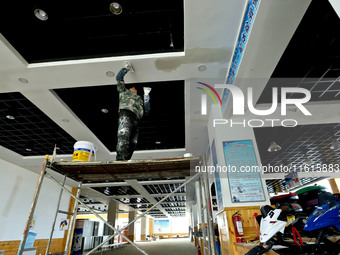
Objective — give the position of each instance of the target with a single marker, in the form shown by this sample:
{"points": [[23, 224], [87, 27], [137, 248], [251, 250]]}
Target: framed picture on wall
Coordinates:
{"points": [[244, 178]]}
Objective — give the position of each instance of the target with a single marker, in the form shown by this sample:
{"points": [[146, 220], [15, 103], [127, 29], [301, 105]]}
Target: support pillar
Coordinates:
{"points": [[112, 217], [131, 231], [143, 231], [335, 182], [150, 227]]}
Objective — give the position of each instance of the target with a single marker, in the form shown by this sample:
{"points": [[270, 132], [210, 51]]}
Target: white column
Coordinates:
{"points": [[144, 226], [220, 133]]}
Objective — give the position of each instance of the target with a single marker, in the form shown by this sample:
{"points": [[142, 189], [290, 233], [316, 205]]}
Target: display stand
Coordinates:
{"points": [[86, 172]]}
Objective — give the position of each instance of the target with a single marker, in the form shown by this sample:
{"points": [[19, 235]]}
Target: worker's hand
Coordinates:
{"points": [[121, 74], [147, 90], [146, 98]]}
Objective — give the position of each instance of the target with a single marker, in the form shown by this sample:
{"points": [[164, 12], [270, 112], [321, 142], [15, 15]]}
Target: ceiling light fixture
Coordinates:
{"points": [[23, 80], [202, 68], [158, 142], [335, 145], [41, 14], [29, 146], [116, 8], [104, 110], [171, 42], [307, 161], [11, 114], [274, 147], [110, 74]]}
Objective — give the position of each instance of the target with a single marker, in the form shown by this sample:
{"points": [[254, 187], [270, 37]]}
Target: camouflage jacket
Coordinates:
{"points": [[128, 100]]}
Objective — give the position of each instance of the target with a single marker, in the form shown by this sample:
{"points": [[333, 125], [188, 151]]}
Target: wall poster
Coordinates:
{"points": [[161, 226], [244, 178]]}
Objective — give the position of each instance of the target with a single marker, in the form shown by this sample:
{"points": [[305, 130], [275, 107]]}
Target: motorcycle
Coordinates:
{"points": [[323, 223], [276, 228]]}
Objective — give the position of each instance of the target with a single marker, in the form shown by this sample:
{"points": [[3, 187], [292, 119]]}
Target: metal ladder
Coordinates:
{"points": [[204, 192], [43, 173]]}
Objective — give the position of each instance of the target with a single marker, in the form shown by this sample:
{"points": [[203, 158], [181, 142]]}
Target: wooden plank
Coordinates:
{"points": [[88, 172]]}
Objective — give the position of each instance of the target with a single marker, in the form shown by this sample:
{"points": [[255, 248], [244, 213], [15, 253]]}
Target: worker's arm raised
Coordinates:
{"points": [[120, 79]]}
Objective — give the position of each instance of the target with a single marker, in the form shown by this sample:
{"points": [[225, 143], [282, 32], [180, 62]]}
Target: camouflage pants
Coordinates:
{"points": [[127, 135]]}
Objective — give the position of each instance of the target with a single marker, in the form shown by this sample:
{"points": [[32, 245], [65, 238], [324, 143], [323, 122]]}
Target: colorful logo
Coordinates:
{"points": [[204, 97]]}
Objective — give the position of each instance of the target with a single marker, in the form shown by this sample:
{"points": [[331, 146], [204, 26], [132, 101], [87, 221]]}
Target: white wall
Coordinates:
{"points": [[180, 225], [177, 225], [17, 187]]}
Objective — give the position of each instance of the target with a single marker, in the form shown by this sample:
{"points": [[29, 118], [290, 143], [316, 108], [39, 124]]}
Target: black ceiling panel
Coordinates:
{"points": [[176, 205], [172, 199], [299, 143], [312, 57], [31, 133], [116, 191], [164, 128], [133, 200], [87, 29], [163, 188], [141, 206]]}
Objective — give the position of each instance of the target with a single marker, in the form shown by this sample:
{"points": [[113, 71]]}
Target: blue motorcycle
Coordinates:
{"points": [[324, 224]]}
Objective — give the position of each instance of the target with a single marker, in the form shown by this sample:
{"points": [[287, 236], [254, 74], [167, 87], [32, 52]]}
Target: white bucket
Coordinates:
{"points": [[84, 151]]}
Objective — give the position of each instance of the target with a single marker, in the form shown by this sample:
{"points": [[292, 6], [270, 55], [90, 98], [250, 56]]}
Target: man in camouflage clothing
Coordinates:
{"points": [[131, 110]]}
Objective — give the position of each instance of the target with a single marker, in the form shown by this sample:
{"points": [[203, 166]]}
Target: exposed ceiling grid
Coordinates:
{"points": [[307, 141]]}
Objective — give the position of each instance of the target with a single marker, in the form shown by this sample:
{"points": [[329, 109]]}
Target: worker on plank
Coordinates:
{"points": [[131, 109]]}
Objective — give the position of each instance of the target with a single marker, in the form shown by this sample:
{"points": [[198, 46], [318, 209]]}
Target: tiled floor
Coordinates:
{"points": [[161, 247]]}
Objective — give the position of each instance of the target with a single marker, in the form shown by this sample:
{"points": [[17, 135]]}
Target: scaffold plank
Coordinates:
{"points": [[88, 172]]}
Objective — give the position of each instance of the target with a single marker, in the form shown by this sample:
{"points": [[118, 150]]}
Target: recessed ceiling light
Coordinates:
{"points": [[11, 117], [202, 68], [274, 147], [104, 110], [29, 146], [307, 161], [116, 8], [335, 144], [23, 80], [110, 74], [11, 113], [158, 142], [41, 14]]}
